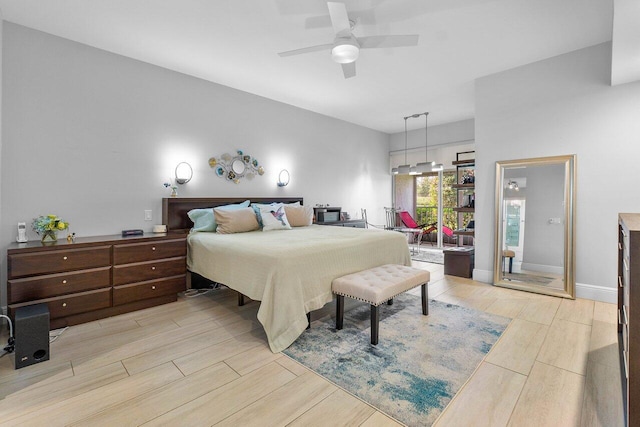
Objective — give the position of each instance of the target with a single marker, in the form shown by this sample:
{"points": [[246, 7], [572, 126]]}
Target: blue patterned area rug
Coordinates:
{"points": [[417, 367]]}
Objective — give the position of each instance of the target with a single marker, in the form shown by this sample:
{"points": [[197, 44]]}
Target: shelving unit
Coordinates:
{"points": [[465, 166]]}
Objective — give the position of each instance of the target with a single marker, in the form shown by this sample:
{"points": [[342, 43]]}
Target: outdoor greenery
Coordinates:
{"points": [[427, 200]]}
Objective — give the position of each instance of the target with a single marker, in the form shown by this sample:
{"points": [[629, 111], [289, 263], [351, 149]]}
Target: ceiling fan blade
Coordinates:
{"points": [[339, 18], [387, 41], [349, 70], [306, 50]]}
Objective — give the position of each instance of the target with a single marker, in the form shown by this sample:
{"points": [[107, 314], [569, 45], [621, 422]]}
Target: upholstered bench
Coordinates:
{"points": [[376, 286]]}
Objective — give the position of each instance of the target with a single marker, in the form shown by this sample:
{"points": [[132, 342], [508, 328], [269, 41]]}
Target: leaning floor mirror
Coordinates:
{"points": [[535, 218]]}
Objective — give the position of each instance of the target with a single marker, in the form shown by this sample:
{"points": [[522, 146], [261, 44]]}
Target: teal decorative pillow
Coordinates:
{"points": [[274, 218], [204, 220]]}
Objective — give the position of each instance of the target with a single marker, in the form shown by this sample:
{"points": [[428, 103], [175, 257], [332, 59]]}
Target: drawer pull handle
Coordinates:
{"points": [[64, 304], [64, 258], [153, 248], [153, 287], [153, 268], [64, 282]]}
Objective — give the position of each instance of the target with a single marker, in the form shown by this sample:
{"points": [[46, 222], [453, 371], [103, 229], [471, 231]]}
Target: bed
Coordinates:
{"points": [[288, 271]]}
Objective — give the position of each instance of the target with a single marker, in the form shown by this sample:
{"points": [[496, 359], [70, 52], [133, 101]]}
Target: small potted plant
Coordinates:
{"points": [[174, 189], [48, 227]]}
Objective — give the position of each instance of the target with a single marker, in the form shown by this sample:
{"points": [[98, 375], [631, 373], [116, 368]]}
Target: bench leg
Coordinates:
{"points": [[375, 321], [309, 320], [339, 311], [390, 302], [425, 298], [240, 299], [510, 265]]}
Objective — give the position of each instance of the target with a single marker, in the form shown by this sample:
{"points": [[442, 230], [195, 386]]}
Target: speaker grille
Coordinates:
{"points": [[31, 334]]}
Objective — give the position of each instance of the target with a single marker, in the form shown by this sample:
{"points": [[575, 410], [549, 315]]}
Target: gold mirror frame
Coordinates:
{"points": [[569, 162]]}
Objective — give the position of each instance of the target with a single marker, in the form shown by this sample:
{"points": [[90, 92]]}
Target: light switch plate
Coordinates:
{"points": [[148, 215]]}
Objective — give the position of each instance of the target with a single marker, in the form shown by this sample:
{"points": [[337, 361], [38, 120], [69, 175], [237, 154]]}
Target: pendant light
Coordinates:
{"points": [[426, 166]]}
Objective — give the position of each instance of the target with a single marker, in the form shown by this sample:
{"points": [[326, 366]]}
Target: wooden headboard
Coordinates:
{"points": [[174, 210]]}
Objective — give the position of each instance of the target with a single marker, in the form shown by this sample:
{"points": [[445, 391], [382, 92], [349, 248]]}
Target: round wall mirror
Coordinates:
{"points": [[238, 167]]}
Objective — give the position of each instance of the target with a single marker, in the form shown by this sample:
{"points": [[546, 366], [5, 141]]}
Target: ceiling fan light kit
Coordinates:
{"points": [[346, 47], [345, 50]]}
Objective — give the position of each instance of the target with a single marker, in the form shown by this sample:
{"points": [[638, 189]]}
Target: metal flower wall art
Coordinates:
{"points": [[233, 168]]}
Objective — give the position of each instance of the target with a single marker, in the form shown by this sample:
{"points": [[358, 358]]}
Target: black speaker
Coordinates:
{"points": [[31, 333]]}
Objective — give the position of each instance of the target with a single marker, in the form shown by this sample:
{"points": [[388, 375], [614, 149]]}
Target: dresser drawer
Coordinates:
{"points": [[56, 261], [137, 252], [149, 270], [73, 304], [150, 289], [51, 285]]}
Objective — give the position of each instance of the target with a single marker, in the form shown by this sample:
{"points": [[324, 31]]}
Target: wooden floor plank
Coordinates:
{"points": [[94, 401], [225, 401], [285, 404], [578, 310], [32, 399], [161, 400], [551, 397], [602, 405], [541, 310], [210, 355], [156, 343], [487, 399], [518, 346], [566, 346]]}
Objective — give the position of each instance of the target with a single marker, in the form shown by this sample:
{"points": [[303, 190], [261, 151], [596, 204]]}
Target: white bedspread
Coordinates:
{"points": [[290, 271]]}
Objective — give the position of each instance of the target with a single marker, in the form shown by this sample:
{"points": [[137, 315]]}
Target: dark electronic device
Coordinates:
{"points": [[327, 214], [31, 324], [126, 233]]}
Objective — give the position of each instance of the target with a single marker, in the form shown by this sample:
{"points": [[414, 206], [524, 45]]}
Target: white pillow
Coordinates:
{"points": [[274, 218]]}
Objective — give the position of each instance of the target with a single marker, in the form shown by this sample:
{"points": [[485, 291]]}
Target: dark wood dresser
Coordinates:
{"points": [[628, 303], [96, 277]]}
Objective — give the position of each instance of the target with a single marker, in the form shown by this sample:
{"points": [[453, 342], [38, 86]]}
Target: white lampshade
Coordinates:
{"points": [[413, 171], [345, 52], [424, 167], [404, 169], [437, 167], [394, 171]]}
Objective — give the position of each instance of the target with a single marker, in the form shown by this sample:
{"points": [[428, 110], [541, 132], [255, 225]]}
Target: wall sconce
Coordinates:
{"points": [[283, 178], [184, 173]]}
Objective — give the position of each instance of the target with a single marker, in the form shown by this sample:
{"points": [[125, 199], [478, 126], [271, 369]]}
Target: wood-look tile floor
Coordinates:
{"points": [[205, 361]]}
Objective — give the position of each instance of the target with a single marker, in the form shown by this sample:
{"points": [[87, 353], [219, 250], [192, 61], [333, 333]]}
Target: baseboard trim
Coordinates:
{"points": [[583, 290], [485, 276], [597, 293]]}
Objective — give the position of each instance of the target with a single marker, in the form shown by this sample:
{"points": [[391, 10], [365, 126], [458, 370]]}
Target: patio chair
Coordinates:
{"points": [[390, 214], [425, 229], [412, 227]]}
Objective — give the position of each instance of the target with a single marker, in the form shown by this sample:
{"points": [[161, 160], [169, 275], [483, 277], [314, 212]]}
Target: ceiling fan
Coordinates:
{"points": [[346, 47]]}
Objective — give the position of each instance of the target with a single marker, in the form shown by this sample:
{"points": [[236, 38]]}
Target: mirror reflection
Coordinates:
{"points": [[534, 225]]}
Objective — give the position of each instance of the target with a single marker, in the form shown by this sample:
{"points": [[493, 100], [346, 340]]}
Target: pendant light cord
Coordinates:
{"points": [[405, 140]]}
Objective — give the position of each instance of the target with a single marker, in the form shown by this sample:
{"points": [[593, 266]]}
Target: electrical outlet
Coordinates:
{"points": [[148, 215]]}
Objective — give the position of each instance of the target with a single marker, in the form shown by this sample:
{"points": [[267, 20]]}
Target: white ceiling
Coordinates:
{"points": [[235, 43]]}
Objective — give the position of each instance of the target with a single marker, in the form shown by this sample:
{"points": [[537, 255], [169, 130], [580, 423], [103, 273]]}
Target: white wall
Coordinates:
{"points": [[91, 136], [563, 105]]}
